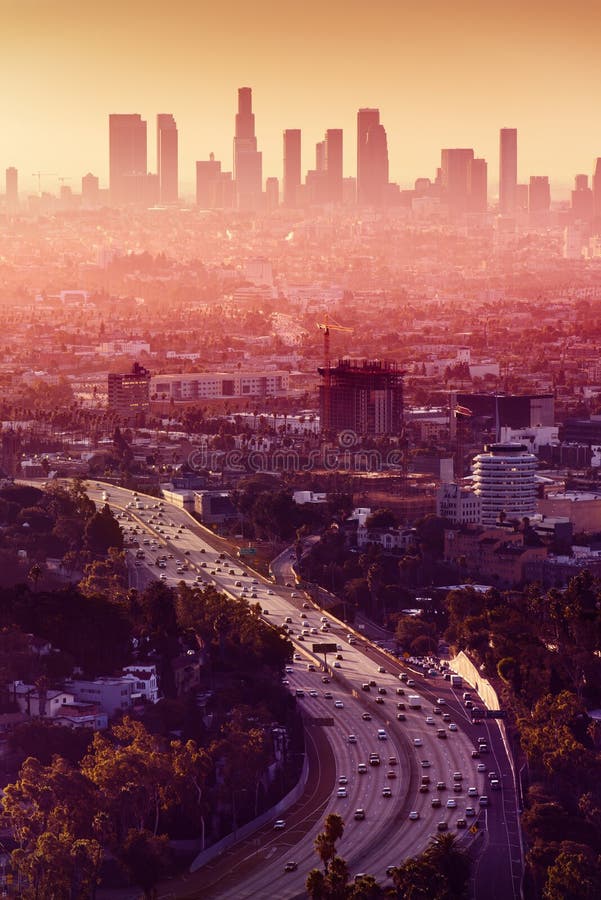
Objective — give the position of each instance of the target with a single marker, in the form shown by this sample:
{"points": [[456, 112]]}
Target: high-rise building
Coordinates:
{"points": [[597, 189], [167, 158], [455, 179], [539, 195], [366, 120], [333, 164], [504, 480], [363, 396], [582, 200], [248, 161], [508, 169], [90, 192], [214, 188], [292, 166], [272, 193], [477, 185], [12, 189], [129, 394], [127, 157]]}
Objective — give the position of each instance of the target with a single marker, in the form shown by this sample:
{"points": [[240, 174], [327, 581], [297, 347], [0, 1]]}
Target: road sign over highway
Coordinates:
{"points": [[324, 648]]}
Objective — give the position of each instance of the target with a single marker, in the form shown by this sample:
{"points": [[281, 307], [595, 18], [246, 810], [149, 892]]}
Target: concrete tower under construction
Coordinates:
{"points": [[362, 395]]}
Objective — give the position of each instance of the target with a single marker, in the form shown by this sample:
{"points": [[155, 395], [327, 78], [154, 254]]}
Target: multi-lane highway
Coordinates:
{"points": [[400, 812]]}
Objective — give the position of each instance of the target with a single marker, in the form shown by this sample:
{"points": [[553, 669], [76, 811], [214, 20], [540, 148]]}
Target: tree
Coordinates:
{"points": [[451, 862], [575, 875], [145, 857], [103, 532]]}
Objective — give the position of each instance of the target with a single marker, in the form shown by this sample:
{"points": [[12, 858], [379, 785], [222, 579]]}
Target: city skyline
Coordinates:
{"points": [[438, 81]]}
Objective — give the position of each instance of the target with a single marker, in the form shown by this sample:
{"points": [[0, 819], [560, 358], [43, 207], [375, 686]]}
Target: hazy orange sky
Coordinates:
{"points": [[443, 73]]}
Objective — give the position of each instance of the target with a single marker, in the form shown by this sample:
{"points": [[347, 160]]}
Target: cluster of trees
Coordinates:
{"points": [[268, 510], [544, 649], [58, 522], [441, 872], [64, 817]]}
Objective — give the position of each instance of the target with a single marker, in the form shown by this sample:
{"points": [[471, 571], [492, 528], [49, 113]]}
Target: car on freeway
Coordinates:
{"points": [[461, 823], [401, 717], [441, 786], [475, 754], [470, 812], [392, 760], [290, 866], [279, 824], [481, 767], [391, 774], [426, 763], [472, 792], [483, 801], [343, 780], [310, 667], [352, 739], [362, 769], [414, 815], [337, 665], [424, 789], [359, 814], [342, 792], [313, 694], [366, 717], [380, 700], [325, 680], [297, 656], [451, 803], [417, 742], [386, 792], [442, 826], [327, 695], [457, 788], [452, 727], [446, 717], [457, 776], [429, 720], [338, 704], [400, 692], [435, 802], [381, 669], [440, 701]]}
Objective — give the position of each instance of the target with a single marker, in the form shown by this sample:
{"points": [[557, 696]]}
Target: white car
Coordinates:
{"points": [[452, 727], [342, 792], [279, 824], [417, 742], [339, 704], [352, 738], [451, 803], [429, 720], [414, 815]]}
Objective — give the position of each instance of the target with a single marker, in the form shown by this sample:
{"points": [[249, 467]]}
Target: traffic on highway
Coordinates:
{"points": [[408, 761]]}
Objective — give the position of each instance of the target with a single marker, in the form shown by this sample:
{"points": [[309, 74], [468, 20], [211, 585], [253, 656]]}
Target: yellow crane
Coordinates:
{"points": [[326, 327]]}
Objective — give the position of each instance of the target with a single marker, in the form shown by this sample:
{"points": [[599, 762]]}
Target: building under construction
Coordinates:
{"points": [[361, 395]]}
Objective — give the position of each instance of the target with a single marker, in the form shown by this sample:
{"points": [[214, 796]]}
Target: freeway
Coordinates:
{"points": [[333, 689]]}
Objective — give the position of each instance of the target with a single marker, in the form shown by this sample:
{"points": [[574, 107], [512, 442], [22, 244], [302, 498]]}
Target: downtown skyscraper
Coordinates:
{"points": [[167, 158], [292, 166], [372, 159], [508, 169], [127, 156], [248, 162]]}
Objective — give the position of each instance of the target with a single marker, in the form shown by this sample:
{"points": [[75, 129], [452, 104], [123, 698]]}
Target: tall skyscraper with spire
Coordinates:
{"points": [[167, 158], [248, 162], [508, 169], [372, 159]]}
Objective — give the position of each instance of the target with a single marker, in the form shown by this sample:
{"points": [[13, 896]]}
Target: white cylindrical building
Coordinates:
{"points": [[504, 479]]}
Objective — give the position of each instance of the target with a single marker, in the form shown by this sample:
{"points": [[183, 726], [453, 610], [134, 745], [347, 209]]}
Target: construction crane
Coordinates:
{"points": [[326, 327], [40, 175]]}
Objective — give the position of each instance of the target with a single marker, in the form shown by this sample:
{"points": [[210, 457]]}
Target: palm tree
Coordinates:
{"points": [[450, 861]]}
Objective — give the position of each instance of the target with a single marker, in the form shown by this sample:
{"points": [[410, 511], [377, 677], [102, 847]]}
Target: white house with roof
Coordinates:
{"points": [[117, 693]]}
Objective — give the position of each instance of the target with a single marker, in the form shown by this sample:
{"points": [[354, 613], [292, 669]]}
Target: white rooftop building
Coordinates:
{"points": [[505, 482]]}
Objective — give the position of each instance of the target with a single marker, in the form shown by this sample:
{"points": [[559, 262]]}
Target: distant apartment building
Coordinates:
{"points": [[129, 394], [582, 508], [122, 348], [401, 539], [457, 504], [219, 385]]}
